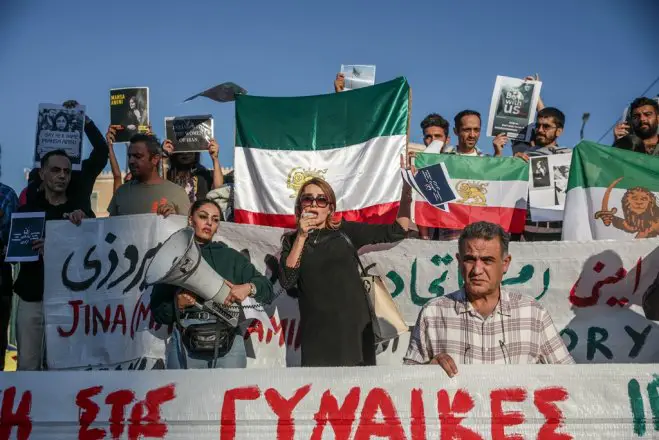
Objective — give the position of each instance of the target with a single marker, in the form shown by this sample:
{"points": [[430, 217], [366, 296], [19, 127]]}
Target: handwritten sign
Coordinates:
{"points": [[97, 313], [402, 403]]}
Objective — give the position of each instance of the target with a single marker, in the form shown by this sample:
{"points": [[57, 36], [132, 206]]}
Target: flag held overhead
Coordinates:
{"points": [[225, 92]]}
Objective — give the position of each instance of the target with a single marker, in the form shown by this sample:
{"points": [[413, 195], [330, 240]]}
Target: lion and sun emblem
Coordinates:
{"points": [[298, 176], [639, 209], [472, 193]]}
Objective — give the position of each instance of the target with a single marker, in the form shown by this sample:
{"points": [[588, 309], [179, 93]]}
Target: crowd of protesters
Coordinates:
{"points": [[317, 258]]}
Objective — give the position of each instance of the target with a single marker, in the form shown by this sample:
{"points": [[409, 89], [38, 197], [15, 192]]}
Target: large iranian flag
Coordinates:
{"points": [[351, 139], [612, 194], [489, 189]]}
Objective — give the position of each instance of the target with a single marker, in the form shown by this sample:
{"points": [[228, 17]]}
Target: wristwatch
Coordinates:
{"points": [[252, 290]]}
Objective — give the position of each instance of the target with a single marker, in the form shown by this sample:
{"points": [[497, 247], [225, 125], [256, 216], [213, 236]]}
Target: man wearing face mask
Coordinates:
{"points": [[641, 136], [434, 128], [185, 169], [484, 323]]}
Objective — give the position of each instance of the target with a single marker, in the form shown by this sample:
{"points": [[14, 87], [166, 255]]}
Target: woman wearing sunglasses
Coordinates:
{"points": [[336, 327]]}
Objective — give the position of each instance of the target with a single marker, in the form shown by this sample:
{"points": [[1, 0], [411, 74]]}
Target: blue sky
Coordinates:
{"points": [[592, 55]]}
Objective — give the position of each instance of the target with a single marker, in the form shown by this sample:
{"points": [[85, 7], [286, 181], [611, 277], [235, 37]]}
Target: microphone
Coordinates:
{"points": [[307, 215]]}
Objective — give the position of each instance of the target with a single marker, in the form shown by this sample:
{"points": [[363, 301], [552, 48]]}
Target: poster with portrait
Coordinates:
{"points": [[358, 76], [129, 112], [513, 108], [189, 133], [25, 228], [60, 128], [548, 176]]}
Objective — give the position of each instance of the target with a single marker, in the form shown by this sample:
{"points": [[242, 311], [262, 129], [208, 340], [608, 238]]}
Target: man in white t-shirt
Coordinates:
{"points": [[468, 130]]}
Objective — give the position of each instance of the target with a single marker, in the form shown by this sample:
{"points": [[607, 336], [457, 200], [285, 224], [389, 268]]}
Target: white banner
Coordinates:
{"points": [[592, 290], [416, 403]]}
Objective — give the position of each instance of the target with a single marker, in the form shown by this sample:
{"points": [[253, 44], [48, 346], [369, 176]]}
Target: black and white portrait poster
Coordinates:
{"points": [[548, 177], [60, 128], [513, 108], [189, 133], [25, 228], [129, 112]]}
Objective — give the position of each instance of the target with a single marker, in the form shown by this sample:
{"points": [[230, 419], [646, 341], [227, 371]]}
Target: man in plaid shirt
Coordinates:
{"points": [[484, 323]]}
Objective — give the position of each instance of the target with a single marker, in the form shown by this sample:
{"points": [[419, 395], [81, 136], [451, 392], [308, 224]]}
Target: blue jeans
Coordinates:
{"points": [[178, 358]]}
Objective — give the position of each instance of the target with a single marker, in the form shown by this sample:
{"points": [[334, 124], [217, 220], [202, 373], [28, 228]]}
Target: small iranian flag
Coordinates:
{"points": [[353, 140], [488, 189], [612, 194]]}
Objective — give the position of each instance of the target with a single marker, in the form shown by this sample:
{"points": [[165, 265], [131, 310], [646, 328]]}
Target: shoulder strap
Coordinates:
{"points": [[347, 239]]}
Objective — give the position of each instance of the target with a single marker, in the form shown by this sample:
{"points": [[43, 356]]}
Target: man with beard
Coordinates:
{"points": [[147, 192], [185, 169], [548, 128], [643, 137], [55, 201]]}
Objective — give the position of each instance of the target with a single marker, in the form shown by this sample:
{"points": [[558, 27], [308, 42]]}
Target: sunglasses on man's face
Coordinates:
{"points": [[307, 200]]}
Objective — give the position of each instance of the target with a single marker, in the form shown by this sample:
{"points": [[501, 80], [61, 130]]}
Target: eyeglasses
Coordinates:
{"points": [[307, 200]]}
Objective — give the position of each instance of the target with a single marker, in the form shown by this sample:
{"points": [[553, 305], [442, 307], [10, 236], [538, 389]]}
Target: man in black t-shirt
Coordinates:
{"points": [[57, 204]]}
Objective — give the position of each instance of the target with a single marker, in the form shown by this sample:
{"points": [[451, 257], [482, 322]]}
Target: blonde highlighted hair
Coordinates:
{"points": [[325, 187]]}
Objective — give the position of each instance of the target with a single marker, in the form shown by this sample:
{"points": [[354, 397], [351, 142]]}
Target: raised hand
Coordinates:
{"points": [[339, 82]]}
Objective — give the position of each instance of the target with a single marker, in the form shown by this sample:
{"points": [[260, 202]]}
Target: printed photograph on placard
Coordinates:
{"points": [[357, 76], [129, 112], [549, 177], [540, 169], [60, 128], [189, 133], [513, 108], [561, 175], [24, 229]]}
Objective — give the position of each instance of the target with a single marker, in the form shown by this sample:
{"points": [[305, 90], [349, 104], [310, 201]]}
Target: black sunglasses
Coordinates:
{"points": [[307, 200]]}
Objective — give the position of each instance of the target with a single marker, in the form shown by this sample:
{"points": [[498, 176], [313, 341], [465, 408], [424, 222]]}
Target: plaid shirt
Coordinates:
{"points": [[8, 205], [518, 331]]}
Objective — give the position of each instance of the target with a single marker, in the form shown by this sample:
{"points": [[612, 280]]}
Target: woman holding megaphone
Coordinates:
{"points": [[320, 259], [193, 346]]}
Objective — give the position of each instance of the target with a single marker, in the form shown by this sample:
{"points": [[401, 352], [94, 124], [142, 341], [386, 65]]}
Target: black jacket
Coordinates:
{"points": [[82, 182], [30, 282]]}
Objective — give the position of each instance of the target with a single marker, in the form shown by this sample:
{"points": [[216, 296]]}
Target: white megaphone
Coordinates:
{"points": [[179, 262]]}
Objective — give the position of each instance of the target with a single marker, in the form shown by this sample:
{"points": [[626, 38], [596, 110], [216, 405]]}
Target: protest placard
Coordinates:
{"points": [[357, 76], [60, 128], [25, 228], [513, 108], [129, 112], [189, 133]]}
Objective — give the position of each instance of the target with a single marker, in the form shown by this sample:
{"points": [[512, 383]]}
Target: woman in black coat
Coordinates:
{"points": [[335, 319]]}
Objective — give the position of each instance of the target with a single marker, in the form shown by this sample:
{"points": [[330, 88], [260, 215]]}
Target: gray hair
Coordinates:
{"points": [[485, 231]]}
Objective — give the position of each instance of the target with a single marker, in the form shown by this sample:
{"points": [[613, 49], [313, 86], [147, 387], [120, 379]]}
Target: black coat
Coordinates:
{"points": [[335, 320]]}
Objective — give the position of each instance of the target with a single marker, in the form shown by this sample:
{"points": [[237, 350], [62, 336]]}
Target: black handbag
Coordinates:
{"points": [[213, 339]]}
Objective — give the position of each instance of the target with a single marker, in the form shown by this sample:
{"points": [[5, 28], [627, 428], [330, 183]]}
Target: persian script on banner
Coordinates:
{"points": [[352, 140], [488, 188], [612, 194], [98, 316]]}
